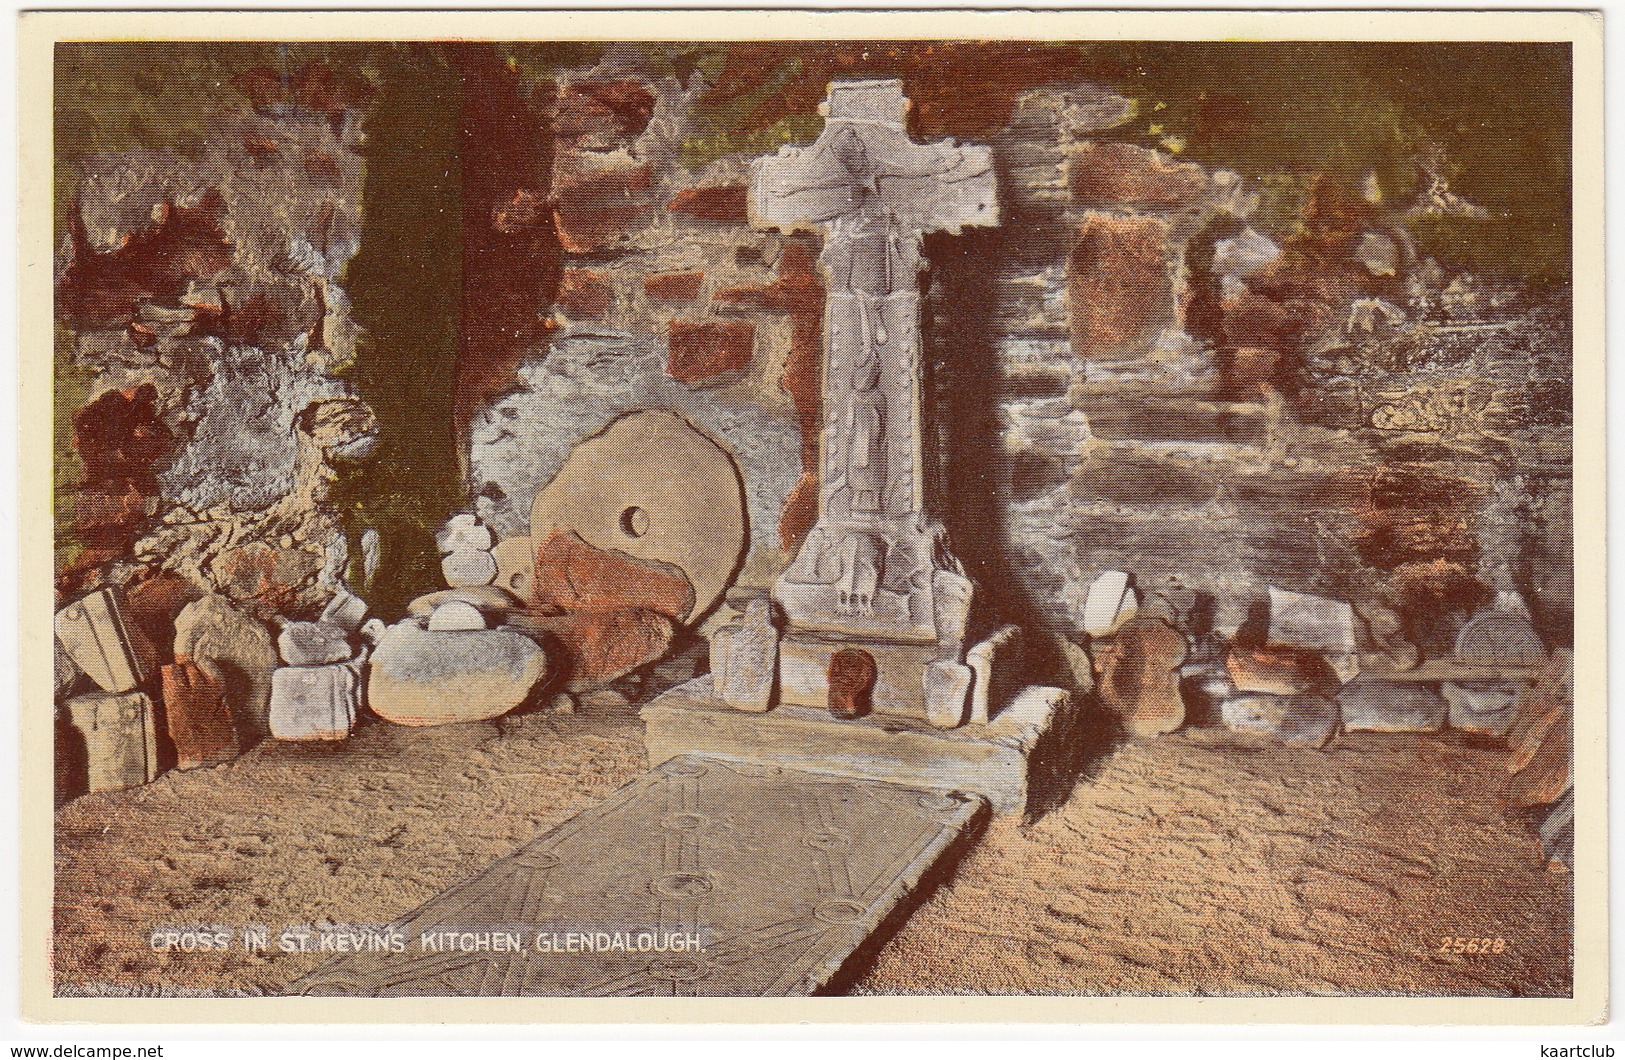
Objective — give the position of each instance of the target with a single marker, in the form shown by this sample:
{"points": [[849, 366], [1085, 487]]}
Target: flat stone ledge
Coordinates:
{"points": [[1001, 760]]}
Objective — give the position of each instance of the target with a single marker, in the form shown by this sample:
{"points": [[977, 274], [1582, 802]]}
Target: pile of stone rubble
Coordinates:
{"points": [[1303, 667], [468, 652]]}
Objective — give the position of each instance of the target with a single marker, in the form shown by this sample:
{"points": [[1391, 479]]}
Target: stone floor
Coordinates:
{"points": [[1199, 863]]}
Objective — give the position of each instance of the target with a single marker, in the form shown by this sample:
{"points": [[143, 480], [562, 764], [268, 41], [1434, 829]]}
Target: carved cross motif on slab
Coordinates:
{"points": [[866, 567]]}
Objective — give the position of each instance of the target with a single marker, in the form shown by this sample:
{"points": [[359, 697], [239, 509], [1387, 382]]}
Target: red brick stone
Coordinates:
{"points": [[321, 167], [112, 518], [799, 293], [674, 286], [700, 350], [584, 294], [1251, 319], [852, 673], [1248, 370], [120, 436], [1390, 537], [184, 243], [1397, 486], [317, 88], [593, 208], [726, 203], [198, 718], [573, 576], [1117, 174], [151, 607], [262, 149], [800, 512], [1438, 585], [263, 86], [599, 646], [523, 210], [1120, 283], [267, 581], [600, 111]]}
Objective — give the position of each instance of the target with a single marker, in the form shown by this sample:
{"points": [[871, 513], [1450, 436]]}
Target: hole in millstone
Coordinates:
{"points": [[634, 522]]}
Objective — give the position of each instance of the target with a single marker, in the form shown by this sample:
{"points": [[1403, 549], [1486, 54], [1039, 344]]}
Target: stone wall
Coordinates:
{"points": [[202, 330], [1151, 366], [667, 299], [1215, 382]]}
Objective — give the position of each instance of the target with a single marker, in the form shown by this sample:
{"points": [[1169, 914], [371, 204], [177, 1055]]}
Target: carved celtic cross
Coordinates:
{"points": [[867, 565]]}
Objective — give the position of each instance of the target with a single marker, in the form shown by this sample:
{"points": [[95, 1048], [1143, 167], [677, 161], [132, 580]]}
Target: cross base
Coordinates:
{"points": [[1014, 760]]}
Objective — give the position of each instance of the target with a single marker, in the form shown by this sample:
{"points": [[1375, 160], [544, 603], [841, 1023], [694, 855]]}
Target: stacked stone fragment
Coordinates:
{"points": [[317, 694], [465, 552], [117, 722], [445, 662]]}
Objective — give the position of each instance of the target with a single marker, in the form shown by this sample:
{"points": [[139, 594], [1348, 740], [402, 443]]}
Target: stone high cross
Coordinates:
{"points": [[870, 566]]}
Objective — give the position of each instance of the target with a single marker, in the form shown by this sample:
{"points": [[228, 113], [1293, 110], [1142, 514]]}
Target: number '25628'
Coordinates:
{"points": [[1462, 944]]}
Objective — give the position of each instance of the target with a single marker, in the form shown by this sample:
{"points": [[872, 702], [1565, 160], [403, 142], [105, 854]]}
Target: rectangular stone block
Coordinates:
{"points": [[1006, 760], [899, 681], [1311, 621], [314, 702], [92, 632], [1481, 706], [121, 740], [948, 687], [744, 659]]}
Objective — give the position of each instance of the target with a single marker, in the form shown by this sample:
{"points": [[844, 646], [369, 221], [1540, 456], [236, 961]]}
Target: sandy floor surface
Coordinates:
{"points": [[1200, 863]]}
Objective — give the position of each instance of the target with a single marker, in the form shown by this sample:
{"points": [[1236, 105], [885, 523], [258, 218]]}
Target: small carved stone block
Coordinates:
{"points": [[121, 746], [1109, 603], [313, 644], [1500, 638], [746, 659], [93, 634], [1305, 621], [1481, 706], [948, 693], [346, 610], [314, 702], [996, 663], [235, 649]]}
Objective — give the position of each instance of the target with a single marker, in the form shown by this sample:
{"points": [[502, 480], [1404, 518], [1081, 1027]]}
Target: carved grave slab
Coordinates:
{"points": [[781, 875]]}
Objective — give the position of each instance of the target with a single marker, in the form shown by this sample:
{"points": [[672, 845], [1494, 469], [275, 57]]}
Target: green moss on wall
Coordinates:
{"points": [[1493, 119]]}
